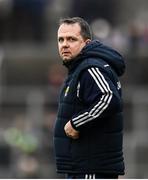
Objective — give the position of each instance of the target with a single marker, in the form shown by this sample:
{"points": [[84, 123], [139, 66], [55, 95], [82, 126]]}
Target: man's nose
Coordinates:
{"points": [[65, 43]]}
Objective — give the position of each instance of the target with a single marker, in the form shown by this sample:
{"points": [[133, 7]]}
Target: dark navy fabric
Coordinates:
{"points": [[99, 147]]}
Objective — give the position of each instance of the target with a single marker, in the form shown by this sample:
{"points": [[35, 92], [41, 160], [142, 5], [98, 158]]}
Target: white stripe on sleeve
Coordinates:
{"points": [[103, 102]]}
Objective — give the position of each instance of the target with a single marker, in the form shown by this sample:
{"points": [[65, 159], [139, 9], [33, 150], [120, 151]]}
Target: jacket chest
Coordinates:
{"points": [[69, 91]]}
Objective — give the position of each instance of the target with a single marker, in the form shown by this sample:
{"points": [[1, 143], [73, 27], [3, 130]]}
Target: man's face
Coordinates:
{"points": [[70, 41]]}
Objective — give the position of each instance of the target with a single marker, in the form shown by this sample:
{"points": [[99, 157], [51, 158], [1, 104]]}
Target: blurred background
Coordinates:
{"points": [[31, 75]]}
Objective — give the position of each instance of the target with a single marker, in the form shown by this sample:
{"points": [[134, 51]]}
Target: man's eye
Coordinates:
{"points": [[60, 40], [72, 39]]}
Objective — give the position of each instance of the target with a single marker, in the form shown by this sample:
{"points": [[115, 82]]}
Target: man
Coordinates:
{"points": [[88, 130]]}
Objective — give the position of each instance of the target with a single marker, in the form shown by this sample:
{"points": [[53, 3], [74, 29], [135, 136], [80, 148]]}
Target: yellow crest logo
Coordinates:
{"points": [[66, 91]]}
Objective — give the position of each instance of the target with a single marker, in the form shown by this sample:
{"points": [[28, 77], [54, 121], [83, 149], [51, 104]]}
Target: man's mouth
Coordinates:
{"points": [[65, 53]]}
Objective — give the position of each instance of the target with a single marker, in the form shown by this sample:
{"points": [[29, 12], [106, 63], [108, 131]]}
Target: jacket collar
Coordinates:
{"points": [[71, 65]]}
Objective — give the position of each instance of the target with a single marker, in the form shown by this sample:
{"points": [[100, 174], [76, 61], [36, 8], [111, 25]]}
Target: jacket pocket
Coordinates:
{"points": [[62, 147]]}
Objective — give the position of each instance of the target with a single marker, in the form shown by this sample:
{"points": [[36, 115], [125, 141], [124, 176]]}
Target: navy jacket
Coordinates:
{"points": [[91, 99]]}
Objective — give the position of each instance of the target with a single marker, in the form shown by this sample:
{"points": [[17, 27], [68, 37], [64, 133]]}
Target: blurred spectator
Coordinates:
{"points": [[28, 19], [146, 34], [5, 11], [47, 139], [135, 36], [101, 28], [56, 76], [90, 10], [28, 166], [5, 155], [20, 137], [109, 35]]}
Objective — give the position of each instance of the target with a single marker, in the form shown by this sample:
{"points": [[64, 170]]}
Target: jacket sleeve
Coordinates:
{"points": [[96, 90]]}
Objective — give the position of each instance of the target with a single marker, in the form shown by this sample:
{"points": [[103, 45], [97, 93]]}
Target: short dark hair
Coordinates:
{"points": [[85, 28]]}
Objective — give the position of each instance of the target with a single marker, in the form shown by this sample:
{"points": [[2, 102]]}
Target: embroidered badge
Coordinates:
{"points": [[118, 85]]}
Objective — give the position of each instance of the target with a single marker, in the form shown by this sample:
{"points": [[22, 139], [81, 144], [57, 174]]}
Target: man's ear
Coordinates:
{"points": [[88, 41]]}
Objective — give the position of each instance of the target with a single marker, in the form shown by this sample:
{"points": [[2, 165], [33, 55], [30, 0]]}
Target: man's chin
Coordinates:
{"points": [[66, 59]]}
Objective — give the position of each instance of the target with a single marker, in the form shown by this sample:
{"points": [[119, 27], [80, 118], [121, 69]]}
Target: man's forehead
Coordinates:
{"points": [[67, 28]]}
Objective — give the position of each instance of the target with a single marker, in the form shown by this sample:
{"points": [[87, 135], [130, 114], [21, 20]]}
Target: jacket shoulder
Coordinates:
{"points": [[90, 62]]}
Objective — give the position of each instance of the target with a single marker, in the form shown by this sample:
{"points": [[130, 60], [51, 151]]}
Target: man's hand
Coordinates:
{"points": [[70, 131]]}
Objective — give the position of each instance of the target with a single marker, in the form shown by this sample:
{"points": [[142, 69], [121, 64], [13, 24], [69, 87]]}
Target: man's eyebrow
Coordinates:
{"points": [[60, 37], [67, 37]]}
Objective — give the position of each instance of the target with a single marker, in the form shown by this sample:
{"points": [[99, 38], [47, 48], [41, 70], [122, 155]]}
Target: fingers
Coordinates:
{"points": [[70, 131], [73, 136]]}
